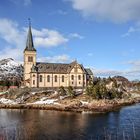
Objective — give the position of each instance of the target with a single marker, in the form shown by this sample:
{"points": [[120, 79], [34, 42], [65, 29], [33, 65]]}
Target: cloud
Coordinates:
{"points": [[55, 59], [90, 54], [58, 12], [135, 64], [106, 72], [76, 35], [117, 11], [48, 38], [23, 2], [27, 2], [62, 12], [14, 38], [132, 30], [132, 73]]}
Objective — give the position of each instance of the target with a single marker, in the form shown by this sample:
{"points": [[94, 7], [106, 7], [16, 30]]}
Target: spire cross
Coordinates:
{"points": [[29, 22]]}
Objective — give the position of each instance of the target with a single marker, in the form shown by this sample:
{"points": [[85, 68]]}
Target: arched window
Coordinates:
{"points": [[79, 77], [55, 78], [48, 78], [33, 75], [72, 77], [40, 78], [33, 82], [63, 78]]}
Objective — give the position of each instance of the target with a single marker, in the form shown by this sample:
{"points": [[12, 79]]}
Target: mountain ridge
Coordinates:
{"points": [[9, 68]]}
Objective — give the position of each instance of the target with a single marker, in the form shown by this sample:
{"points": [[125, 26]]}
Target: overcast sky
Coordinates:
{"points": [[101, 34]]}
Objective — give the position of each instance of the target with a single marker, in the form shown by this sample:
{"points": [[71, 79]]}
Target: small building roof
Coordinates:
{"points": [[89, 71]]}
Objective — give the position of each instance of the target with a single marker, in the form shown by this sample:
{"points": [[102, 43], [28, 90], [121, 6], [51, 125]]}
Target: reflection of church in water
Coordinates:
{"points": [[38, 74]]}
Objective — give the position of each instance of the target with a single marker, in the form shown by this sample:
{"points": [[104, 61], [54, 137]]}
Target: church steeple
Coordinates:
{"points": [[29, 57], [29, 43]]}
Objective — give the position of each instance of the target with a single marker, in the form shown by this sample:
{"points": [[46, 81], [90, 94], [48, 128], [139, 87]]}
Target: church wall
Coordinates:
{"points": [[77, 74], [53, 82], [64, 83], [68, 80], [28, 65], [33, 81]]}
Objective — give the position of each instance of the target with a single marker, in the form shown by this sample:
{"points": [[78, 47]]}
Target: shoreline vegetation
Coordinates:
{"points": [[100, 96]]}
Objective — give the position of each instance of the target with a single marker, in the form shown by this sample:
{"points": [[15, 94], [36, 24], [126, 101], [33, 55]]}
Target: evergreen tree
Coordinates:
{"points": [[62, 91], [71, 91]]}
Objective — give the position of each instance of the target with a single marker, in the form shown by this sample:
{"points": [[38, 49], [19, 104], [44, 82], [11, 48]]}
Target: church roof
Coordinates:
{"points": [[29, 43], [52, 67], [55, 67]]}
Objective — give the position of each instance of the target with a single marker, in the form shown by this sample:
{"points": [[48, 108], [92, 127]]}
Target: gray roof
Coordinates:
{"points": [[54, 67], [89, 71], [29, 43]]}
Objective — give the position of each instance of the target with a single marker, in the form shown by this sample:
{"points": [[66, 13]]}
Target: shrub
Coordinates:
{"points": [[71, 91], [62, 91]]}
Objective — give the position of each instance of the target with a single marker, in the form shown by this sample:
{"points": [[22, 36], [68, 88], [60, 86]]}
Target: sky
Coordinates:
{"points": [[101, 34]]}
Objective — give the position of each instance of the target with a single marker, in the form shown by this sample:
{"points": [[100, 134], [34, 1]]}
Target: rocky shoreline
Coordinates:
{"points": [[102, 106], [52, 100]]}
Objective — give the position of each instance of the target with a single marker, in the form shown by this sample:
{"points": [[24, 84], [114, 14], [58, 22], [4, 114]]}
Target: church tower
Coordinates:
{"points": [[29, 57]]}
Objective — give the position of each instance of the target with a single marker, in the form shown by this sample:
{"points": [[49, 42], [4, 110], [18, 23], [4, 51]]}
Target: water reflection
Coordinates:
{"points": [[52, 125]]}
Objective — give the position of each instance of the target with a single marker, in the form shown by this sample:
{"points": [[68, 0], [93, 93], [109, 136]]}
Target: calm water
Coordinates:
{"points": [[52, 125]]}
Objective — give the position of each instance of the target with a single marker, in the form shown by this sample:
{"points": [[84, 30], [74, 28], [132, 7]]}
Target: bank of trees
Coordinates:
{"points": [[98, 89]]}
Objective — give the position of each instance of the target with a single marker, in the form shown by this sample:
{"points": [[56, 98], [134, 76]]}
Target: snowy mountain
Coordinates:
{"points": [[10, 68]]}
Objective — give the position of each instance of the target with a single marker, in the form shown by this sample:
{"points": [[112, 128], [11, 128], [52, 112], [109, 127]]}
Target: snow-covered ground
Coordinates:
{"points": [[7, 101], [44, 100]]}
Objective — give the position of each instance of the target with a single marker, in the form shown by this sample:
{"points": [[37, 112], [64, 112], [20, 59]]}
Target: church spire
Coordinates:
{"points": [[29, 43]]}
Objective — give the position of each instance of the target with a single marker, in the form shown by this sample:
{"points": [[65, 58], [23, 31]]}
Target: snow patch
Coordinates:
{"points": [[44, 101], [63, 97], [84, 103], [7, 101], [33, 93]]}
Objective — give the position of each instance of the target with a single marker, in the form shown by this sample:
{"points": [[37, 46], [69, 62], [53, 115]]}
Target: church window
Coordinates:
{"points": [[48, 78], [63, 78], [40, 78], [33, 82], [55, 78], [72, 77], [79, 77]]}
